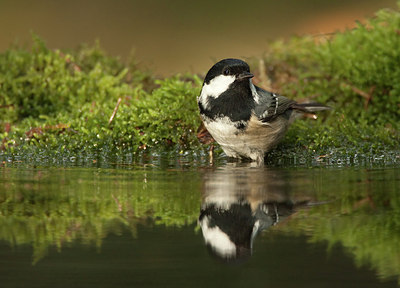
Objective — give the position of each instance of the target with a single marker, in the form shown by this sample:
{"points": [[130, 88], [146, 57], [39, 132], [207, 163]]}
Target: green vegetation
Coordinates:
{"points": [[356, 73], [83, 102], [55, 101]]}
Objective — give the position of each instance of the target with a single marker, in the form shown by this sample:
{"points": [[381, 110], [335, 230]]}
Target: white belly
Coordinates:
{"points": [[252, 142]]}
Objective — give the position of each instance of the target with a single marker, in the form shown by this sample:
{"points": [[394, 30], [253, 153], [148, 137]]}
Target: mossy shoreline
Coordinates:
{"points": [[83, 104]]}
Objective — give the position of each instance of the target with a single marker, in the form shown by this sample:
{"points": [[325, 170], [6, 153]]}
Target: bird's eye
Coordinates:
{"points": [[227, 71]]}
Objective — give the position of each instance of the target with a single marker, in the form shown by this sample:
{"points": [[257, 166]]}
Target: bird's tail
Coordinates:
{"points": [[310, 107]]}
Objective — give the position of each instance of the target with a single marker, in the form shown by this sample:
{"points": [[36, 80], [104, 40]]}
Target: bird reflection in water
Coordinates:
{"points": [[239, 202]]}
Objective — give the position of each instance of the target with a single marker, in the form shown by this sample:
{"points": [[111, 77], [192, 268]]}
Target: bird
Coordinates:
{"points": [[244, 119]]}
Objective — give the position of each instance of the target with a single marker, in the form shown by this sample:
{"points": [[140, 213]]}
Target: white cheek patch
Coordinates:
{"points": [[216, 87]]}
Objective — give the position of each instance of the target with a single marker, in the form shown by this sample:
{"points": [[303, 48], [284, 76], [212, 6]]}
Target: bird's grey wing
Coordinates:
{"points": [[271, 105]]}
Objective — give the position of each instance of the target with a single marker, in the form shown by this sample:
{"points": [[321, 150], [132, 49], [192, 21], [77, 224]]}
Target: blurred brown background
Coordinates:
{"points": [[173, 36]]}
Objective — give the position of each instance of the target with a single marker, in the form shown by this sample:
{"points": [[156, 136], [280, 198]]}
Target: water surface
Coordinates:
{"points": [[231, 225]]}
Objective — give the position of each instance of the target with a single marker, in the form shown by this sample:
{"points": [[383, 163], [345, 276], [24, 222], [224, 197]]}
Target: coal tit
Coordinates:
{"points": [[245, 120]]}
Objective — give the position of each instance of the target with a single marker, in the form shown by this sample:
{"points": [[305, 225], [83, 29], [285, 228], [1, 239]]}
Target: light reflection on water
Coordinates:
{"points": [[93, 223]]}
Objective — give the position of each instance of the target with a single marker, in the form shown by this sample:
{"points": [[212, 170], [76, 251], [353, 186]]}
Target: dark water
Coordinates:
{"points": [[227, 226]]}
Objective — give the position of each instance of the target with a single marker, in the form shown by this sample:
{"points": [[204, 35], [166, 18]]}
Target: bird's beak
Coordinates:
{"points": [[244, 75]]}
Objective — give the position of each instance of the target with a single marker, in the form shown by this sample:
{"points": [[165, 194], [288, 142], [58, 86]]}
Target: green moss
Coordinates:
{"points": [[53, 100], [63, 101], [356, 72]]}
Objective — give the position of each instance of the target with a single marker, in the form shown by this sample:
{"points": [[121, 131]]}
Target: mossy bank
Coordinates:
{"points": [[82, 102]]}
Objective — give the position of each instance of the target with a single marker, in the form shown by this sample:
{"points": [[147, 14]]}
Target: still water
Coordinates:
{"points": [[227, 226]]}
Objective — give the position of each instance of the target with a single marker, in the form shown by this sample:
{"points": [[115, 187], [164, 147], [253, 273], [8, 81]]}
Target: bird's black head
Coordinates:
{"points": [[229, 67], [227, 91]]}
